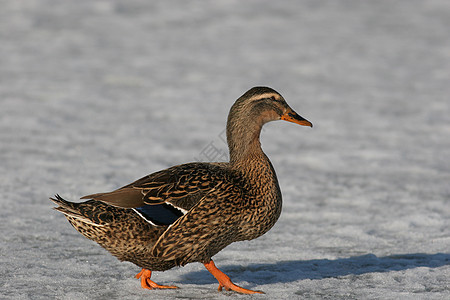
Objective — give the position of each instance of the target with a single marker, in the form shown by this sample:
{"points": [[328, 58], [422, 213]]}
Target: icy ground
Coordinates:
{"points": [[95, 94]]}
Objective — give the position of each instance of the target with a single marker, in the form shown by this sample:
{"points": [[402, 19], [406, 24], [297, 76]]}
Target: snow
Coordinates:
{"points": [[95, 94]]}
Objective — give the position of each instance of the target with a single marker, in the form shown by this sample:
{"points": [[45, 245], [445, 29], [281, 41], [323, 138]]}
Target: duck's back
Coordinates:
{"points": [[181, 186]]}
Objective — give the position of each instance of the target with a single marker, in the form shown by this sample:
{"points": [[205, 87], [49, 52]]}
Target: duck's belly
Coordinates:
{"points": [[259, 221]]}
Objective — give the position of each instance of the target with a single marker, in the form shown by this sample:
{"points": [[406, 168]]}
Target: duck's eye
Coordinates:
{"points": [[273, 98]]}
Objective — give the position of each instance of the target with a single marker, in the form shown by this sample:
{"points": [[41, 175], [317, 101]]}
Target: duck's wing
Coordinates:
{"points": [[179, 186], [207, 228]]}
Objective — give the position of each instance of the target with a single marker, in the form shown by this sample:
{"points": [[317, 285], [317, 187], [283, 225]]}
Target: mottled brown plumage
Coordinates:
{"points": [[190, 212]]}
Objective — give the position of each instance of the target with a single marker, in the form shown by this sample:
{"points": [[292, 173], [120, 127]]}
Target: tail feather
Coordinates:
{"points": [[64, 204], [70, 209]]}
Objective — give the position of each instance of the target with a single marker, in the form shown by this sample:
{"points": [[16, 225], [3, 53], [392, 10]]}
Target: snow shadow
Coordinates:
{"points": [[289, 271]]}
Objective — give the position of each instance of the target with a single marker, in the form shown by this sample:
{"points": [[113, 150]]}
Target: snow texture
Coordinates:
{"points": [[95, 94]]}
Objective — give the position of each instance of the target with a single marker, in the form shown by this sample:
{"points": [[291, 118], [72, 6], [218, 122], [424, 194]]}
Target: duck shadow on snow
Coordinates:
{"points": [[289, 271]]}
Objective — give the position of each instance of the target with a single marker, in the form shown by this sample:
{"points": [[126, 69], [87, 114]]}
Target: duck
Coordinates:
{"points": [[189, 212]]}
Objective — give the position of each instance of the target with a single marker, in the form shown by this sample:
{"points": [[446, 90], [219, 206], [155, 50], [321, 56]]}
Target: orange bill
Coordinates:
{"points": [[292, 116]]}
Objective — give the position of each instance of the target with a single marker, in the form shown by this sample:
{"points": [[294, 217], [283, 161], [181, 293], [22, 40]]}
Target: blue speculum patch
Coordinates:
{"points": [[160, 214]]}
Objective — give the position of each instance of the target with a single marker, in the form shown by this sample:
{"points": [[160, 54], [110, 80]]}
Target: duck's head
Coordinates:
{"points": [[260, 105], [249, 113]]}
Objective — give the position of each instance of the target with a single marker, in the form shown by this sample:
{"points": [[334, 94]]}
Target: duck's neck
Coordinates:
{"points": [[243, 142]]}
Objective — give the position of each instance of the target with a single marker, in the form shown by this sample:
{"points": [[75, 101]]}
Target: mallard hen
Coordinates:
{"points": [[188, 213]]}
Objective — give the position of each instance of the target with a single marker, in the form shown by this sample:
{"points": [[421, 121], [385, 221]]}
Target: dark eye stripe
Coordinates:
{"points": [[275, 100]]}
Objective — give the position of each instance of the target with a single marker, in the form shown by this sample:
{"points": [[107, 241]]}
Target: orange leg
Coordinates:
{"points": [[146, 283], [225, 281]]}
